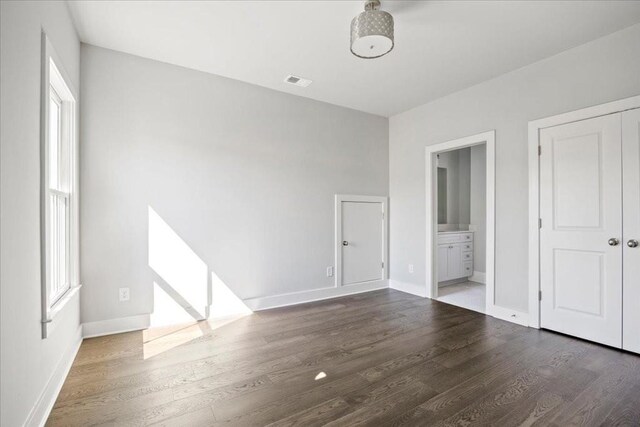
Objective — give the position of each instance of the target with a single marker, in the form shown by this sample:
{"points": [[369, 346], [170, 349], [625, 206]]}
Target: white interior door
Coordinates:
{"points": [[631, 232], [362, 242], [581, 233]]}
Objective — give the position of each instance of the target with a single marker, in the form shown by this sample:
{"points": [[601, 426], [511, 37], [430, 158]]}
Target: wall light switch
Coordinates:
{"points": [[329, 271], [411, 268], [123, 294]]}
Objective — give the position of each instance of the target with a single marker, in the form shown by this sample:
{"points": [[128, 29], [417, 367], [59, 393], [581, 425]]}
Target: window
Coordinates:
{"points": [[59, 190], [58, 220]]}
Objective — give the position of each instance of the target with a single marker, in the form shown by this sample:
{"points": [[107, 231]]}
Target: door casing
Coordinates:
{"points": [[431, 168], [534, 186]]}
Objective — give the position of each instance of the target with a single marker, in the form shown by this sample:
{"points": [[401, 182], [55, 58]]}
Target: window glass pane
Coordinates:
{"points": [[58, 246], [64, 150], [54, 140]]}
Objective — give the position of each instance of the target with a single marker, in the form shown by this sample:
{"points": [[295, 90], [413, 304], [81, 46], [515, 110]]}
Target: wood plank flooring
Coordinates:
{"points": [[379, 358]]}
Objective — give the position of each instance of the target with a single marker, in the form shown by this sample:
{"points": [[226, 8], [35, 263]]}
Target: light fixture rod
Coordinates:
{"points": [[372, 4]]}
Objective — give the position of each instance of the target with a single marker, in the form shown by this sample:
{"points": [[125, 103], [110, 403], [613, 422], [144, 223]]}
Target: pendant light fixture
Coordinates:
{"points": [[372, 32]]}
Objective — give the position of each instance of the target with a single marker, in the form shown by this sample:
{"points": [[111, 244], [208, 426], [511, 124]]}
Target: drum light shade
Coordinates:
{"points": [[372, 32]]}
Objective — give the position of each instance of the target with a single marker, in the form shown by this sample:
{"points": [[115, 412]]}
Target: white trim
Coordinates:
{"points": [[431, 274], [51, 323], [479, 277], [409, 288], [513, 316], [53, 74], [115, 326], [41, 410], [338, 233], [534, 186], [293, 298]]}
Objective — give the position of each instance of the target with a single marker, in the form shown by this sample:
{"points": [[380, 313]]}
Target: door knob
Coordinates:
{"points": [[345, 243], [613, 242], [632, 243]]}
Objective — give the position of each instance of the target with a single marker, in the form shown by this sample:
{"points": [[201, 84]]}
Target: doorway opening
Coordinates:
{"points": [[460, 177]]}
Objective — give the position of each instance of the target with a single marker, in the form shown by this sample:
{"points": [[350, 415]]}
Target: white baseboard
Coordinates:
{"points": [[263, 303], [142, 321], [479, 277], [115, 326], [514, 316], [409, 288], [42, 408]]}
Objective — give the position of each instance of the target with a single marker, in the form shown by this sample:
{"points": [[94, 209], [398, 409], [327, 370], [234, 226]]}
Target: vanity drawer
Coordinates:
{"points": [[467, 256], [448, 238], [455, 237], [467, 267], [467, 247]]}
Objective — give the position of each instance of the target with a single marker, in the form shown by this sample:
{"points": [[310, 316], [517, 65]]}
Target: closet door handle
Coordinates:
{"points": [[632, 243]]}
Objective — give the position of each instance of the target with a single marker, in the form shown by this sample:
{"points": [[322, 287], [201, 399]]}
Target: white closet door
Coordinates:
{"points": [[631, 219], [581, 235], [363, 239]]}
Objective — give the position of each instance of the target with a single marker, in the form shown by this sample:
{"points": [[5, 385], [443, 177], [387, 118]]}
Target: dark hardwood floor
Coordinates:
{"points": [[380, 358]]}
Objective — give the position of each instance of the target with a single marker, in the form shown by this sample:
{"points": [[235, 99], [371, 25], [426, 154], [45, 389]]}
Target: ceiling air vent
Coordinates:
{"points": [[298, 81]]}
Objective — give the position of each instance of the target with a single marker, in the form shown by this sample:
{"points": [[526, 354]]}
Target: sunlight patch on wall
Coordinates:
{"points": [[225, 307], [224, 302], [185, 292], [166, 310], [182, 283]]}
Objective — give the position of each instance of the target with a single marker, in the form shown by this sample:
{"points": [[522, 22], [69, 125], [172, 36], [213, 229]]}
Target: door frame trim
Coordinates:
{"points": [[534, 185], [339, 198], [431, 273]]}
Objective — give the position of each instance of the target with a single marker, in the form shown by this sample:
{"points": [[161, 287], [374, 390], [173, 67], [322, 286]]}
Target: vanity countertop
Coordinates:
{"points": [[454, 232]]}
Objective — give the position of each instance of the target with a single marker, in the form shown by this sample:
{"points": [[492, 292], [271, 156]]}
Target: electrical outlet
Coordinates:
{"points": [[123, 294], [329, 271], [411, 268]]}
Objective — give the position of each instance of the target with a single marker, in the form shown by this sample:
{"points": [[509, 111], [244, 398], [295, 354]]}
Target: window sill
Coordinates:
{"points": [[48, 324]]}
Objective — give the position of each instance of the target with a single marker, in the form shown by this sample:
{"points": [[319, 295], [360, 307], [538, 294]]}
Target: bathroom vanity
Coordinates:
{"points": [[455, 255]]}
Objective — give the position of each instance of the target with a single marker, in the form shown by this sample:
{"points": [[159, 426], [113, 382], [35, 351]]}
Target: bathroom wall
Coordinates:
{"points": [[478, 205]]}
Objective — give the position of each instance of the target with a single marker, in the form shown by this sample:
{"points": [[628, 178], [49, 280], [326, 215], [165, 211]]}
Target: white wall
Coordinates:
{"points": [[478, 204], [27, 361], [243, 175], [600, 71], [464, 185]]}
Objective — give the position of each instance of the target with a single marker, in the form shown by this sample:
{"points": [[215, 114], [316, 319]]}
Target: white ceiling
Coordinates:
{"points": [[440, 46]]}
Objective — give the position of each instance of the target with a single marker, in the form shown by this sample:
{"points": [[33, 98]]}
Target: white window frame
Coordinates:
{"points": [[56, 84]]}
